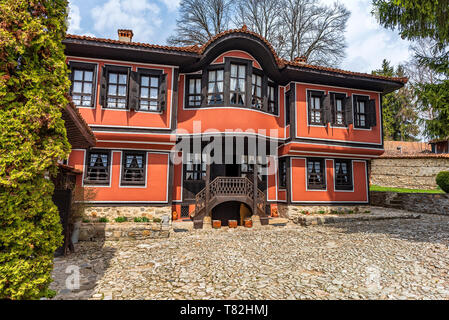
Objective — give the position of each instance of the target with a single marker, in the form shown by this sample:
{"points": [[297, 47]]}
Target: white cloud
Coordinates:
{"points": [[141, 16], [74, 19], [368, 42], [171, 5]]}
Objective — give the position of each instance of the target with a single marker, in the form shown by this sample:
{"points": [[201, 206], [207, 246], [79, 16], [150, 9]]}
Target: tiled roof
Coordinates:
{"points": [[299, 62], [192, 49]]}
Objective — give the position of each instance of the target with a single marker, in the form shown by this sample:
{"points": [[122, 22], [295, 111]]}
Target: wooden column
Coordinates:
{"points": [[207, 185], [255, 186]]}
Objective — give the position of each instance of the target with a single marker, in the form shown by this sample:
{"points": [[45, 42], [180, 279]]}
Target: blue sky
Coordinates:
{"points": [[152, 21]]}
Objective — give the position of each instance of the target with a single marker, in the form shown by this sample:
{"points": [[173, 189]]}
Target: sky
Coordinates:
{"points": [[152, 21]]}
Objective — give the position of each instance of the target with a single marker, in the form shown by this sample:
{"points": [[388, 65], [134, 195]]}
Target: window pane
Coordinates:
{"points": [[211, 75], [154, 82], [242, 85], [113, 78], [88, 75], [362, 107], [242, 72], [87, 88], [233, 70], [153, 93], [145, 81], [122, 78], [144, 93], [233, 84], [220, 75], [122, 90], [112, 90], [78, 75], [198, 86], [192, 86], [77, 86]]}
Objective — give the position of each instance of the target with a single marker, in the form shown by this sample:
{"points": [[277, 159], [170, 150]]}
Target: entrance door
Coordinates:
{"points": [[232, 170]]}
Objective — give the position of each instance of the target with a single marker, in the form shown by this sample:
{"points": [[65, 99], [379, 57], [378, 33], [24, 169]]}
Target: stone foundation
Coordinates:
{"points": [[296, 212], [94, 213], [122, 231]]}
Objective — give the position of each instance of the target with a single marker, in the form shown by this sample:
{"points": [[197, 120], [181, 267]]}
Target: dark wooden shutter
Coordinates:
{"points": [[103, 84], [326, 107], [163, 92], [348, 111], [372, 113], [309, 106], [133, 96]]}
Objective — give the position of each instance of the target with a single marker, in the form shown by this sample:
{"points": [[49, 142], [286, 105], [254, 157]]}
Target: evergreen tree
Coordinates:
{"points": [[33, 91]]}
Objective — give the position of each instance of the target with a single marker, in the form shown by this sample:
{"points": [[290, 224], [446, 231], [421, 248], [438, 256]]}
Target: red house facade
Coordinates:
{"points": [[184, 128]]}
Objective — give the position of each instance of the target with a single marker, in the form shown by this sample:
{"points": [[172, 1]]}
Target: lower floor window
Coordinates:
{"points": [[133, 168], [283, 173], [97, 167], [195, 167], [316, 174], [343, 174]]}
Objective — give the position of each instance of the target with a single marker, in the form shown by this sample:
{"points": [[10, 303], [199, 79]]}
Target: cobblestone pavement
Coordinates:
{"points": [[391, 259]]}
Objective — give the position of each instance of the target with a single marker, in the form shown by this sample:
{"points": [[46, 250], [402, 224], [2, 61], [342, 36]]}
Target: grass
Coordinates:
{"points": [[404, 190]]}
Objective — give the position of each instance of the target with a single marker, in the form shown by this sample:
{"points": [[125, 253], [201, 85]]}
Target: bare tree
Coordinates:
{"points": [[200, 20], [314, 31], [294, 27], [260, 16]]}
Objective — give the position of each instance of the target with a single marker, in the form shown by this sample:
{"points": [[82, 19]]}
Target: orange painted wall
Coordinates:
{"points": [[127, 118], [237, 54], [271, 190], [341, 134], [299, 192], [177, 182], [154, 191]]}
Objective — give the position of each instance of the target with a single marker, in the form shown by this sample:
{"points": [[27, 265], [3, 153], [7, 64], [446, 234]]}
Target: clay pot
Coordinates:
{"points": [[248, 223], [232, 223], [274, 213], [174, 215], [216, 224]]}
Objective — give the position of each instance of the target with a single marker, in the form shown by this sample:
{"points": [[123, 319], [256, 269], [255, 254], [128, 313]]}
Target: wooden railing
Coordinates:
{"points": [[229, 187]]}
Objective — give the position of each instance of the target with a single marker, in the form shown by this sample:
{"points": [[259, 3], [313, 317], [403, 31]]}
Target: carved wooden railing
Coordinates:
{"points": [[229, 187]]}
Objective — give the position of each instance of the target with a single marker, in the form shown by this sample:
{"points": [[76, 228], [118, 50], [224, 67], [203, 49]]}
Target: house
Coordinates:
{"points": [[440, 145], [183, 129]]}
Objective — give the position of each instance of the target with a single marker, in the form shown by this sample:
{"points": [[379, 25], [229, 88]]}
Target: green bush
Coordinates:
{"points": [[33, 92], [103, 219], [442, 180], [121, 219], [141, 219], [157, 220]]}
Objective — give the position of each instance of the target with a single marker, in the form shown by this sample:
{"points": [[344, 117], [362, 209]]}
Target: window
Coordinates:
{"points": [[247, 166], [83, 84], [287, 107], [185, 212], [215, 88], [361, 112], [97, 167], [343, 174], [149, 92], [339, 111], [237, 84], [193, 92], [195, 168], [133, 168], [257, 101], [316, 115], [316, 174], [117, 90], [282, 172], [271, 99]]}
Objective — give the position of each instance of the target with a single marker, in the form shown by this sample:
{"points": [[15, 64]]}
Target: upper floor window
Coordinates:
{"points": [[83, 84], [257, 101], [238, 86], [97, 167], [316, 178], [343, 174], [117, 90], [315, 103], [149, 92], [287, 107], [364, 112], [272, 106], [194, 91], [338, 109], [133, 168], [215, 88]]}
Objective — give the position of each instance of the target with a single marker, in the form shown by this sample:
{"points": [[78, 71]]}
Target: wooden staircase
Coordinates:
{"points": [[224, 189]]}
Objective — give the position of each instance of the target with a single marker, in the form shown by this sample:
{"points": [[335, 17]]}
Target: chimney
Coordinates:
{"points": [[125, 35]]}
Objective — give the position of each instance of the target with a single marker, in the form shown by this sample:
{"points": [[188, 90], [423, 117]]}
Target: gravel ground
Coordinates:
{"points": [[389, 259]]}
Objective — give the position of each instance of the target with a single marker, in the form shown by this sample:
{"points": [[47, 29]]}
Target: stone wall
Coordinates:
{"points": [[123, 231], [416, 202], [295, 213], [93, 213], [413, 173]]}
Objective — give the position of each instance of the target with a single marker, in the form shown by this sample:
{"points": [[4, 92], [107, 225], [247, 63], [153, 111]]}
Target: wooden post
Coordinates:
{"points": [[255, 186], [207, 184]]}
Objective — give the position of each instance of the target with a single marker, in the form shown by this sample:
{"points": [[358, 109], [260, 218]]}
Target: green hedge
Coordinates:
{"points": [[33, 91], [442, 180]]}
